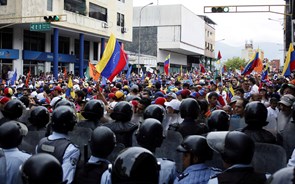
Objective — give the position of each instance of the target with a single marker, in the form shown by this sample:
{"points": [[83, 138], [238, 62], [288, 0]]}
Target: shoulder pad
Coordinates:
{"points": [[182, 175], [215, 169]]}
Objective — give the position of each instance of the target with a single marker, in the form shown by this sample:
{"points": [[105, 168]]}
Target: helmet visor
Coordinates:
{"points": [[216, 141]]}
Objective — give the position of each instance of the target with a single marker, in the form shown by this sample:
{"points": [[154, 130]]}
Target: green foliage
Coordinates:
{"points": [[235, 62]]}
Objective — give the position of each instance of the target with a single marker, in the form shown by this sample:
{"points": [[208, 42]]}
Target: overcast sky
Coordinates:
{"points": [[236, 28]]}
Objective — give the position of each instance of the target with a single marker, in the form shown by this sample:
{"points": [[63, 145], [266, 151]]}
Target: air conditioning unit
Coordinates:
{"points": [[105, 25], [123, 30]]}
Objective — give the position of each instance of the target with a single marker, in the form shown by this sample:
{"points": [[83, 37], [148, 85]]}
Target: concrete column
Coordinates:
{"points": [[18, 37], [71, 67], [55, 53], [81, 56], [47, 64]]}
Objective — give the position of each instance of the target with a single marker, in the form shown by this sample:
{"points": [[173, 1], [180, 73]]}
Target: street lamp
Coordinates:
{"points": [[139, 32]]}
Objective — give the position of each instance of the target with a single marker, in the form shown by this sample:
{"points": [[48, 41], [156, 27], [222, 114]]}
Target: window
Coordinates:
{"points": [[120, 20], [76, 6], [86, 49], [97, 12], [49, 5], [3, 2], [34, 41], [63, 44], [6, 37], [95, 50]]}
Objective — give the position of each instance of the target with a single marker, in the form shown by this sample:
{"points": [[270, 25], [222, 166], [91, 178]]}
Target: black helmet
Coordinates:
{"points": [[10, 135], [93, 110], [63, 119], [135, 165], [218, 121], [42, 168], [196, 145], [150, 134], [293, 111], [189, 108], [154, 111], [102, 142], [235, 147], [122, 111], [256, 114], [39, 116], [13, 109], [64, 102]]}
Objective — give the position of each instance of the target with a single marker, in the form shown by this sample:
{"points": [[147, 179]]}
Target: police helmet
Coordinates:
{"points": [[39, 116], [150, 134], [42, 168], [293, 111], [93, 110], [256, 114], [13, 109], [135, 165], [122, 112], [10, 135], [235, 147], [189, 108], [102, 142], [64, 102], [63, 119], [154, 111], [218, 121], [196, 145]]}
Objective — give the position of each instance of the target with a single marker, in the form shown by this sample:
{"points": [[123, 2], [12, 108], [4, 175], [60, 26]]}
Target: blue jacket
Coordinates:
{"points": [[195, 174]]}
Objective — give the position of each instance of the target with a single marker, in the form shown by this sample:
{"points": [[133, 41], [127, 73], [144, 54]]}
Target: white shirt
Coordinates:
{"points": [[272, 119], [254, 89]]}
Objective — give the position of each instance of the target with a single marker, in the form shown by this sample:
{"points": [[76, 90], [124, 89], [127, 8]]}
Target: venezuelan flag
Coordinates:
{"points": [[289, 65], [167, 65], [251, 65], [70, 91], [264, 75], [113, 59]]}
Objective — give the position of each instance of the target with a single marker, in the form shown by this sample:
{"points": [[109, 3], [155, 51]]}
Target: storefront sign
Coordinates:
{"points": [[48, 56], [9, 54]]}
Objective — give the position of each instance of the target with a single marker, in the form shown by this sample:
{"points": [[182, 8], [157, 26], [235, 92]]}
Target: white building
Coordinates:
{"points": [[83, 27], [174, 30]]}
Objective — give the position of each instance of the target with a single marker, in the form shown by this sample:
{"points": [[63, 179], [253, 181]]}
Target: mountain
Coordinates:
{"points": [[271, 50]]}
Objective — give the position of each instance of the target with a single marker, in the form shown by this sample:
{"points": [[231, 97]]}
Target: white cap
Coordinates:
{"points": [[173, 103]]}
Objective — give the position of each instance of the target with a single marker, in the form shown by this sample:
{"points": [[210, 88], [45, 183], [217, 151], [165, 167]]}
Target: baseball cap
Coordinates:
{"points": [[8, 92], [287, 100], [119, 94], [185, 92], [57, 88], [4, 99], [234, 99], [173, 103], [171, 94], [160, 101]]}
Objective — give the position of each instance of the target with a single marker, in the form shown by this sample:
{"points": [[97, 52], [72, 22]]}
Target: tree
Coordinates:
{"points": [[235, 63]]}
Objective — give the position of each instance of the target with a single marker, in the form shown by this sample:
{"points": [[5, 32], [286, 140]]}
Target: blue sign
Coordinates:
{"points": [[48, 56], [9, 54]]}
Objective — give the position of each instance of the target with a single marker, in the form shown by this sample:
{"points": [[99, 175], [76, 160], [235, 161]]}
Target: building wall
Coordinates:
{"points": [[209, 41]]}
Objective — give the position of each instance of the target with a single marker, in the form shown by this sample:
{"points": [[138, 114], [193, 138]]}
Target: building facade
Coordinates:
{"points": [[169, 29], [76, 37]]}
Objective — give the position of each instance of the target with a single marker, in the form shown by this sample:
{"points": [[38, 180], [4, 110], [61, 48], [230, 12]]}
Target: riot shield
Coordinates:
{"points": [[288, 138], [168, 148], [118, 148], [268, 158], [31, 140], [80, 136]]}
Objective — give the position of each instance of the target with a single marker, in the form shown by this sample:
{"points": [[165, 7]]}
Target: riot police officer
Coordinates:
{"points": [[195, 152], [122, 126], [92, 112], [42, 168], [236, 150], [102, 143], [58, 143], [39, 118], [255, 118], [135, 165], [189, 111], [10, 156], [154, 111], [285, 175], [12, 110], [218, 121], [150, 136]]}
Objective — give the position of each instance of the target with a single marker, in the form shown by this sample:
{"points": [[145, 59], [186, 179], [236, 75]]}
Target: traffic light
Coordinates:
{"points": [[220, 9], [53, 18]]}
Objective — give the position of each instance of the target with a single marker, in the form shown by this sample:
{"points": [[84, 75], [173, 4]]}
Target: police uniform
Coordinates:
{"points": [[237, 173], [106, 178], [14, 159], [70, 157], [197, 173], [167, 172]]}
